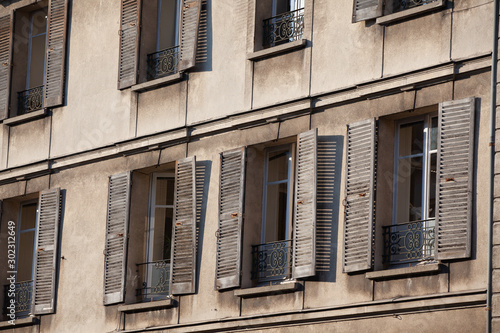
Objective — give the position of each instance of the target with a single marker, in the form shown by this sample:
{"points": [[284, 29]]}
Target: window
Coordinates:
{"points": [[285, 24], [370, 9]]}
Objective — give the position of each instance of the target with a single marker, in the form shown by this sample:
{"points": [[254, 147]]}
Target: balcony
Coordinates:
{"points": [[155, 280], [272, 261], [163, 63], [283, 28], [29, 100], [24, 291], [410, 242], [400, 5]]}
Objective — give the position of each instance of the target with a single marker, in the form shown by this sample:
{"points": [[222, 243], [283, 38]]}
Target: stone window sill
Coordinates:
{"points": [[268, 290], [149, 306], [24, 118], [407, 13], [29, 321], [153, 84], [398, 273], [277, 50]]}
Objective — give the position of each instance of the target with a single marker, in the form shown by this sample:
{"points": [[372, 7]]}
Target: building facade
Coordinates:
{"points": [[248, 165]]}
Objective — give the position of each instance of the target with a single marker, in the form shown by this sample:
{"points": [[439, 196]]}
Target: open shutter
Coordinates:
{"points": [[202, 39], [454, 179], [129, 43], [56, 53], [183, 266], [366, 9], [47, 233], [5, 64], [361, 152], [304, 231], [116, 238], [231, 199], [190, 18]]}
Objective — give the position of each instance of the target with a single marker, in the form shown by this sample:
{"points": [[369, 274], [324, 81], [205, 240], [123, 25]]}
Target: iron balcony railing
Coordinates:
{"points": [[409, 242], [283, 28], [163, 63], [22, 298], [29, 100], [272, 261], [407, 4], [155, 280]]}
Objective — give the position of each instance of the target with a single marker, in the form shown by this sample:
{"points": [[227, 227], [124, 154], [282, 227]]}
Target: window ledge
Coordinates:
{"points": [[277, 50], [407, 13], [268, 290], [25, 117], [404, 272], [29, 321], [153, 84], [149, 306]]}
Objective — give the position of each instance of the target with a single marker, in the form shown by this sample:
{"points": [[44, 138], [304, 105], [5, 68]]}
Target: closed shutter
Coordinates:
{"points": [[366, 9], [184, 228], [359, 218], [304, 231], [56, 53], [5, 64], [454, 179], [231, 199], [47, 233], [116, 238], [190, 18], [129, 43]]}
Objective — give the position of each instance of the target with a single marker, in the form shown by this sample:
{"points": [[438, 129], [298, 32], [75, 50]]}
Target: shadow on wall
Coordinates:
{"points": [[203, 170]]}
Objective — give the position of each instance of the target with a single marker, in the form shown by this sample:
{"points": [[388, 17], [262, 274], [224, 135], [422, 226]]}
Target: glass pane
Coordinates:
{"points": [[37, 61], [167, 29], [25, 256], [162, 233], [411, 139], [283, 6], [28, 216], [434, 130], [165, 191], [39, 19], [277, 167], [409, 200], [276, 211], [432, 186]]}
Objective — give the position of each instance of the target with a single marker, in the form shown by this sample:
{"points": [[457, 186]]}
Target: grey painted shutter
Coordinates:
{"points": [[116, 238], [366, 9], [47, 233], [56, 53], [183, 266], [190, 18], [129, 43], [202, 40], [5, 64], [231, 200], [454, 179], [360, 182], [304, 231]]}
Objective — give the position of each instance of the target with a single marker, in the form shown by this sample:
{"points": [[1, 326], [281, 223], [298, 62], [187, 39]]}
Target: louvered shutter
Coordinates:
{"points": [[304, 231], [361, 151], [183, 266], [231, 199], [366, 9], [56, 53], [202, 39], [116, 238], [454, 179], [190, 19], [5, 64], [47, 233], [129, 43]]}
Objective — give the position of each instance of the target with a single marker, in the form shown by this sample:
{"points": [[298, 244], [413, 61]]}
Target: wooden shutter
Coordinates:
{"points": [[183, 266], [202, 39], [231, 200], [190, 18], [5, 64], [47, 233], [56, 53], [129, 43], [366, 9], [304, 231], [359, 195], [116, 238], [454, 179]]}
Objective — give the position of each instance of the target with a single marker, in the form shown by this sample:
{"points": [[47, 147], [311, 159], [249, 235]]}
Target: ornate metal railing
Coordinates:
{"points": [[155, 280], [283, 28], [272, 261], [409, 242], [163, 63], [406, 4], [29, 100], [22, 297]]}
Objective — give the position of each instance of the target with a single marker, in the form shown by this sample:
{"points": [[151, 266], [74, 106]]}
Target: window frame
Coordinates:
{"points": [[18, 234]]}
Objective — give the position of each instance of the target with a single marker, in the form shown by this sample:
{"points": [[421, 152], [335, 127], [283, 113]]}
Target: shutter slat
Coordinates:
{"points": [[202, 39], [454, 179], [5, 64], [190, 18], [129, 43], [366, 9], [116, 238]]}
